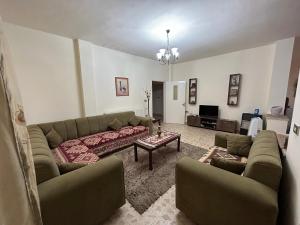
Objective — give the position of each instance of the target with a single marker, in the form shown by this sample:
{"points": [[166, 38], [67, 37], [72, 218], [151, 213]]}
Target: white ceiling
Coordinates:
{"points": [[199, 28]]}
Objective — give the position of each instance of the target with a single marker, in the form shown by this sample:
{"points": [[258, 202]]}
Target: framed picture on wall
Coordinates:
{"points": [[193, 91], [234, 89], [122, 86]]}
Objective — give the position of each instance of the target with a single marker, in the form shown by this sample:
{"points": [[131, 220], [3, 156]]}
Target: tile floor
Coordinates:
{"points": [[163, 211]]}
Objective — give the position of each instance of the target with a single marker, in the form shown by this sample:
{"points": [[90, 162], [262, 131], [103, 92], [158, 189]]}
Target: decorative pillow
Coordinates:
{"points": [[134, 121], [115, 124], [239, 145], [229, 165], [53, 138]]}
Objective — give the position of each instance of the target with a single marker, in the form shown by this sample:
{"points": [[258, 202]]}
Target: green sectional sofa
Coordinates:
{"points": [[210, 196], [77, 194]]}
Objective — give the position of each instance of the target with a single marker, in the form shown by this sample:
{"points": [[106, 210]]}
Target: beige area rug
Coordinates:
{"points": [[143, 186]]}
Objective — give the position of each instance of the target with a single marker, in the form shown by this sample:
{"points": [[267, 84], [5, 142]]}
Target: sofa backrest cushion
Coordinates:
{"points": [[264, 162], [95, 124], [44, 163], [123, 117], [83, 128], [66, 129], [71, 129]]}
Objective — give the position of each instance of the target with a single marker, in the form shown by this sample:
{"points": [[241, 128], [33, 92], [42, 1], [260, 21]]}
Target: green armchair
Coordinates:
{"points": [[210, 195], [88, 195]]}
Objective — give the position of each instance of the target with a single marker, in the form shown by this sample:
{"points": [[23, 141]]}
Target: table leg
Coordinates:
{"points": [[150, 160], [178, 144], [135, 153]]}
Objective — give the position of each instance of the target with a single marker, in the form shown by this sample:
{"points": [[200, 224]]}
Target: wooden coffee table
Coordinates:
{"points": [[153, 142]]}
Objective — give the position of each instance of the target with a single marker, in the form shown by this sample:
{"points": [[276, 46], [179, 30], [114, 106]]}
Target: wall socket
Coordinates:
{"points": [[296, 129]]}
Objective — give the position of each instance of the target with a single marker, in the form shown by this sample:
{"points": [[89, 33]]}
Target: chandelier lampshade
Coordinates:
{"points": [[167, 55]]}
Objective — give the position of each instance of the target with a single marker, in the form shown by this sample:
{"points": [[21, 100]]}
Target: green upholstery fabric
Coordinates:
{"points": [[229, 165], [68, 167], [134, 121], [202, 190], [71, 129], [103, 123], [61, 128], [239, 145], [88, 195], [147, 122], [75, 128], [83, 127], [93, 124], [115, 124], [123, 117], [264, 163], [221, 138], [210, 196], [53, 138], [44, 163]]}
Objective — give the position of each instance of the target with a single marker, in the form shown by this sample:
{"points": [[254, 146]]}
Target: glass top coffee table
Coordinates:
{"points": [[153, 142]]}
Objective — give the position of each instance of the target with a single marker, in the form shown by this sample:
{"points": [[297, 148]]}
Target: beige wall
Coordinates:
{"points": [[60, 79], [280, 73], [46, 74], [140, 72], [294, 72], [255, 65]]}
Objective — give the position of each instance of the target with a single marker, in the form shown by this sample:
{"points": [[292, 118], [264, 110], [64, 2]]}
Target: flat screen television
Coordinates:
{"points": [[209, 110]]}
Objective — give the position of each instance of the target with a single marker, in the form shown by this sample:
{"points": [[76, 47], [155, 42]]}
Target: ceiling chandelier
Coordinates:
{"points": [[167, 55]]}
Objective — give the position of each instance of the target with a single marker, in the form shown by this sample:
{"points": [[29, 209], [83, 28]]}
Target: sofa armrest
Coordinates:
{"points": [[211, 196], [44, 162], [147, 122], [84, 196], [221, 138]]}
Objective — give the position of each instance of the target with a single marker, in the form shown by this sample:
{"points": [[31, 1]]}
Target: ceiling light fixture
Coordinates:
{"points": [[168, 55]]}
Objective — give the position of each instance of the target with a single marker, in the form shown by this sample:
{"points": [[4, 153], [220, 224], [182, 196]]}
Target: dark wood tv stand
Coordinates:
{"points": [[212, 123], [202, 121]]}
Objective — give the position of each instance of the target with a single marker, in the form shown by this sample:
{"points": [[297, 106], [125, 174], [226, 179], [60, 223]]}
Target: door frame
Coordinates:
{"points": [[163, 98]]}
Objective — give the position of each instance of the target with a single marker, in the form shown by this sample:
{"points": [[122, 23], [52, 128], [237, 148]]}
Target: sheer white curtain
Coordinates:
{"points": [[19, 204]]}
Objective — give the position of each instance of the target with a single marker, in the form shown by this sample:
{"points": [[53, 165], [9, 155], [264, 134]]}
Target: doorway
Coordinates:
{"points": [[158, 100], [175, 102]]}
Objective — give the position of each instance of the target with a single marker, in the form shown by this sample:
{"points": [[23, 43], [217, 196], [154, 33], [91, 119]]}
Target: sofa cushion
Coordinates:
{"points": [[71, 128], [61, 129], [115, 124], [239, 145], [134, 121], [83, 127], [264, 162], [103, 122], [229, 165], [53, 138], [123, 117], [93, 124]]}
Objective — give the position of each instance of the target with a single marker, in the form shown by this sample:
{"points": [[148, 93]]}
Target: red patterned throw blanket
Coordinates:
{"points": [[88, 149]]}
